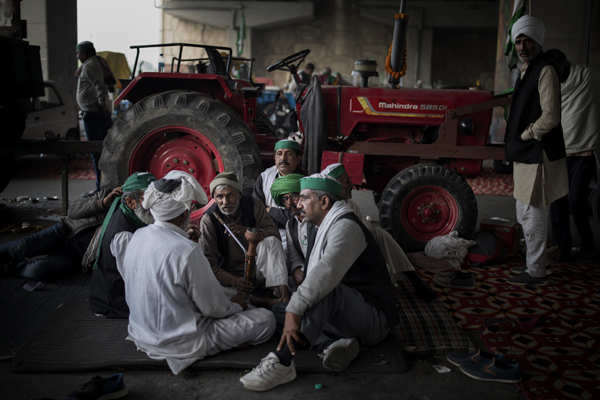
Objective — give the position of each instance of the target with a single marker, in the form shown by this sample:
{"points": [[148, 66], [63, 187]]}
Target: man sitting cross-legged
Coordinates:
{"points": [[300, 233], [107, 293], [178, 309], [397, 262], [287, 161], [224, 252], [346, 294]]}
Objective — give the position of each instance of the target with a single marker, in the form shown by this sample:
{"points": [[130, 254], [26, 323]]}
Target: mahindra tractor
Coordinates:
{"points": [[410, 146]]}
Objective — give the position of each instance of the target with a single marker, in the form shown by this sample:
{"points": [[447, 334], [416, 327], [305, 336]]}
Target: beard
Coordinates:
{"points": [[144, 215], [230, 210]]}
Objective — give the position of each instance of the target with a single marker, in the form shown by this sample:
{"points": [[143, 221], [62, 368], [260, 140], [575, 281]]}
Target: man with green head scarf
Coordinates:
{"points": [[346, 291], [397, 262], [300, 233], [287, 161], [107, 292]]}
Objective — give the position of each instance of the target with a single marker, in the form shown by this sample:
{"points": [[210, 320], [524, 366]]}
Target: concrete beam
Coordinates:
{"points": [[436, 14], [258, 14]]}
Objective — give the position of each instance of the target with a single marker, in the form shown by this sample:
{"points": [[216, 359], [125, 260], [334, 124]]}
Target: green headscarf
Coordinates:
{"points": [[323, 183], [285, 184], [137, 181], [335, 171], [288, 144]]}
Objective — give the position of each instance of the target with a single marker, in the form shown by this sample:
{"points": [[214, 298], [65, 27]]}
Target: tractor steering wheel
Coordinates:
{"points": [[294, 60]]}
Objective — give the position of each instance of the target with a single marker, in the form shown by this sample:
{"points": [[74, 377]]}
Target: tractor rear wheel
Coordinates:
{"points": [[425, 201], [180, 130]]}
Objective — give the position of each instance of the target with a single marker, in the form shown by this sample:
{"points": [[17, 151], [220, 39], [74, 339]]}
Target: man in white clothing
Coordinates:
{"points": [[178, 310], [345, 298], [287, 161]]}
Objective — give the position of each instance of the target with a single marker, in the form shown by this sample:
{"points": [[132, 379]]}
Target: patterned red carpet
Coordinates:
{"points": [[553, 330]]}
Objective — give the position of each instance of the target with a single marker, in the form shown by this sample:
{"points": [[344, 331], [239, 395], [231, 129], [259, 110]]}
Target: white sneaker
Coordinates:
{"points": [[268, 374], [339, 354]]}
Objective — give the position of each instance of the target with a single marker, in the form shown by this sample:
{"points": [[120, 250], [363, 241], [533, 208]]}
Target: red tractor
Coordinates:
{"points": [[409, 146]]}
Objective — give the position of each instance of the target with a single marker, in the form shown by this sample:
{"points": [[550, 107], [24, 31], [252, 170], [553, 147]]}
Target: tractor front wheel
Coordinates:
{"points": [[425, 201], [179, 130]]}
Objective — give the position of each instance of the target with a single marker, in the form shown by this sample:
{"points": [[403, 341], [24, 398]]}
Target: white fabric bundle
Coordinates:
{"points": [[531, 27], [166, 206], [450, 247]]}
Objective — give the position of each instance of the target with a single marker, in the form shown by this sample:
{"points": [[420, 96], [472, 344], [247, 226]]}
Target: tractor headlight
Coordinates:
{"points": [[466, 127]]}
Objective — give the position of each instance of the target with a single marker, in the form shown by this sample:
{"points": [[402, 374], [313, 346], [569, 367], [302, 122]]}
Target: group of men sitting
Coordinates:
{"points": [[321, 274]]}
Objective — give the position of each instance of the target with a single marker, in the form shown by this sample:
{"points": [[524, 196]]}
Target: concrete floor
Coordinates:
{"points": [[23, 313]]}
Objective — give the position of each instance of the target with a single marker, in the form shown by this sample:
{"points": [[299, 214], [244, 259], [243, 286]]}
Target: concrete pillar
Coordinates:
{"points": [[425, 55], [34, 12], [62, 39], [343, 38], [412, 57], [502, 76]]}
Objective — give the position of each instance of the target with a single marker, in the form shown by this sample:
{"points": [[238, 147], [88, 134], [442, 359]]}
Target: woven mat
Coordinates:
{"points": [[426, 327]]}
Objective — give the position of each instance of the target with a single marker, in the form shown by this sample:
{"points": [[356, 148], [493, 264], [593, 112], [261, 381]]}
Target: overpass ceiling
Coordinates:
{"points": [[434, 13], [227, 14]]}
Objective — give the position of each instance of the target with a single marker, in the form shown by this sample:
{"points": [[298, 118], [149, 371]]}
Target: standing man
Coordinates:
{"points": [[345, 298], [179, 311], [287, 160], [534, 142], [580, 120], [307, 73], [92, 98]]}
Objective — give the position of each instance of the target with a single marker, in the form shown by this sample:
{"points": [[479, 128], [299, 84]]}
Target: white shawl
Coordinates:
{"points": [[268, 177], [338, 209]]}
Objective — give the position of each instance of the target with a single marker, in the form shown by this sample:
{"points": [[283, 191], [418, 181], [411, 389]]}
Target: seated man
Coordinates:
{"points": [[224, 252], [58, 249], [396, 259], [178, 310], [107, 292], [300, 233], [287, 161], [346, 294]]}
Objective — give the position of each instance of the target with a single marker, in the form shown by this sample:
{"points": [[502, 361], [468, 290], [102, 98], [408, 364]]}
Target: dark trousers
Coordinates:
{"points": [[47, 254], [96, 126], [343, 313], [581, 171]]}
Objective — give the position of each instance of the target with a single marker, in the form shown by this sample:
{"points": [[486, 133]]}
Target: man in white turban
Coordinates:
{"points": [[535, 145], [178, 310]]}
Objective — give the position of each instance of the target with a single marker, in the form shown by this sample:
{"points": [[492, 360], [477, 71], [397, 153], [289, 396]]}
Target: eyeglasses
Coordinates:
{"points": [[290, 196]]}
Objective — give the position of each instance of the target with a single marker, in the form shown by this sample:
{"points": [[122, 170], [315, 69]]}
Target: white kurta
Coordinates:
{"points": [[268, 177], [178, 309]]}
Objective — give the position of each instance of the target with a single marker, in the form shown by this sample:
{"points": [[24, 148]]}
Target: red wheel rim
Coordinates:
{"points": [[428, 211], [178, 148]]}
